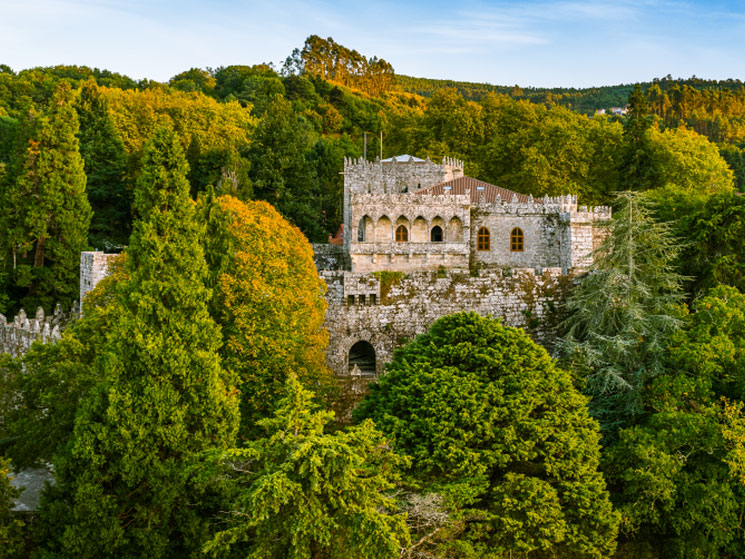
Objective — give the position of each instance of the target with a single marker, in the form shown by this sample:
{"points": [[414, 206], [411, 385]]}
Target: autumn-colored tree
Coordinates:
{"points": [[137, 114], [268, 299], [163, 397]]}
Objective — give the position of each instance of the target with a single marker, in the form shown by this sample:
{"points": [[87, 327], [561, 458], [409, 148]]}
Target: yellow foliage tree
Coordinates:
{"points": [[215, 125], [268, 299]]}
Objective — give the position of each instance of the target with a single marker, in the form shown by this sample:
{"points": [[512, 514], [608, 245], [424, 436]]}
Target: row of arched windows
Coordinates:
{"points": [[366, 230], [517, 240], [436, 231]]}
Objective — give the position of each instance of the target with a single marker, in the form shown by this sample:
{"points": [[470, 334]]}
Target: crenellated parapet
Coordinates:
{"points": [[397, 174], [17, 335]]}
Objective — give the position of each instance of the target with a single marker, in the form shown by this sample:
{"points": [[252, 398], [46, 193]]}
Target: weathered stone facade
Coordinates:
{"points": [[94, 266], [385, 310], [17, 336], [422, 241]]}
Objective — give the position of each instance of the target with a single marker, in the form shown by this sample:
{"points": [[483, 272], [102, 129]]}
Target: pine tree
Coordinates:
{"points": [[49, 225], [302, 493], [622, 313], [122, 489], [105, 167]]}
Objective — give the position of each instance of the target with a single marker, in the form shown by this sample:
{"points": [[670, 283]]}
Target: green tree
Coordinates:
{"points": [[622, 313], [638, 166], [164, 398], [302, 493], [105, 168], [41, 391], [688, 163], [678, 475], [491, 423], [48, 226], [714, 253], [281, 173], [11, 527]]}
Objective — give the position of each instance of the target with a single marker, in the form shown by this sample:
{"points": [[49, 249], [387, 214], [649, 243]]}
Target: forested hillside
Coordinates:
{"points": [[186, 413]]}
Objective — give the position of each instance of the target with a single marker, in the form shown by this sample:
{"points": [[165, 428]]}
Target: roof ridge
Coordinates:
{"points": [[466, 182]]}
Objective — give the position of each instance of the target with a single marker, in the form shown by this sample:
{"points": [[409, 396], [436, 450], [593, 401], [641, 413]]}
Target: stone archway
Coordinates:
{"points": [[362, 354]]}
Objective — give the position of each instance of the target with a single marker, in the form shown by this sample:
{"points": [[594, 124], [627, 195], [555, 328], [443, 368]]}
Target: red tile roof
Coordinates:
{"points": [[463, 185], [338, 239]]}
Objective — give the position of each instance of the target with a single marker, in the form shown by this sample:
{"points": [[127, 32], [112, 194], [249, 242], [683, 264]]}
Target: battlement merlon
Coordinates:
{"points": [[17, 336]]}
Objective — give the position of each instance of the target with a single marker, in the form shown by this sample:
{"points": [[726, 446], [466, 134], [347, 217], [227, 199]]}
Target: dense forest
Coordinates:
{"points": [[187, 412]]}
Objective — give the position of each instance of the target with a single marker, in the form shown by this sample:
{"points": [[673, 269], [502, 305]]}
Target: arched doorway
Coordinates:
{"points": [[362, 354]]}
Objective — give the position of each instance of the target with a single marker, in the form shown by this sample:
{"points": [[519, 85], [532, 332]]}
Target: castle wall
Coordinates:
{"points": [[542, 245], [378, 218], [17, 336], [94, 266], [587, 230], [409, 304], [330, 257], [390, 177]]}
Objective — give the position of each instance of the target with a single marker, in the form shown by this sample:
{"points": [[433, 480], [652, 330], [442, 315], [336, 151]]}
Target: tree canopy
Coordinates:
{"points": [[302, 493], [262, 267], [623, 312], [490, 422]]}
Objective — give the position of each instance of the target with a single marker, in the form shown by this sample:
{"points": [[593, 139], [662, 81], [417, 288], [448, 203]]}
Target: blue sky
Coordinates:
{"points": [[548, 43]]}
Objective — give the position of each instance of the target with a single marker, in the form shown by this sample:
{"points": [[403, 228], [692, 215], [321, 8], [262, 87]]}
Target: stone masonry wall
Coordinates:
{"points": [[408, 304], [391, 177], [94, 266], [17, 336], [330, 257]]}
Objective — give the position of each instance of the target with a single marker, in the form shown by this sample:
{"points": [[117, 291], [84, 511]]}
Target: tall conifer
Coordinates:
{"points": [[105, 167], [122, 489], [49, 225], [623, 312]]}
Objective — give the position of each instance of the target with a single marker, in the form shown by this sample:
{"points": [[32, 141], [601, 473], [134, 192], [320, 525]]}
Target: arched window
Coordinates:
{"points": [[402, 234], [483, 239], [361, 231], [516, 240], [436, 234]]}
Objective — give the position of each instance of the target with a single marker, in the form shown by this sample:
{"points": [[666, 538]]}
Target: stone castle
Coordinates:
{"points": [[422, 240]]}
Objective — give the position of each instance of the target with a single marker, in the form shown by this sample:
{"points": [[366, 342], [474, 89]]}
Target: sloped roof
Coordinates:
{"points": [[462, 185]]}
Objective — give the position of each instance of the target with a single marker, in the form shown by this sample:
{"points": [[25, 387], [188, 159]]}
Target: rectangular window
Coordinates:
{"points": [[361, 300], [350, 300], [373, 298]]}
